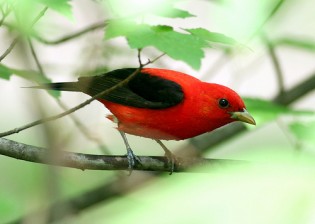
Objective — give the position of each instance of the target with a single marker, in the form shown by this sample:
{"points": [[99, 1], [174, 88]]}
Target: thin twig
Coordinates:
{"points": [[275, 62], [157, 58], [4, 15], [33, 52], [274, 10], [296, 92], [51, 118], [80, 126], [71, 36], [84, 130], [10, 48], [221, 62]]}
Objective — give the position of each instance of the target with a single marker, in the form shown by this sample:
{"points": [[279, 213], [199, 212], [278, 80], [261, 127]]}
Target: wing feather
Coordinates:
{"points": [[143, 91]]}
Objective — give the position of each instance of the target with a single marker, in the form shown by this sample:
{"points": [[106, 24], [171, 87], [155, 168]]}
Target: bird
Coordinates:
{"points": [[160, 104]]}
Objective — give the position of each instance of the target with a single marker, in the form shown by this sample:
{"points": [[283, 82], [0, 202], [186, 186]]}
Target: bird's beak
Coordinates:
{"points": [[243, 116]]}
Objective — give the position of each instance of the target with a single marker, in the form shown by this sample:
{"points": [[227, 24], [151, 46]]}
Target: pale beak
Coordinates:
{"points": [[243, 116]]}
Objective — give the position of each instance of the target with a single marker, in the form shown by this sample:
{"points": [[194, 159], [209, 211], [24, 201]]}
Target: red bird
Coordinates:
{"points": [[161, 104]]}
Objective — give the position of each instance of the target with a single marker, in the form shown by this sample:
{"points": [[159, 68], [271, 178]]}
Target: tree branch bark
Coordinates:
{"points": [[100, 162]]}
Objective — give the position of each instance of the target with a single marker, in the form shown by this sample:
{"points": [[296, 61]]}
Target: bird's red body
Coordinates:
{"points": [[160, 104], [198, 113]]}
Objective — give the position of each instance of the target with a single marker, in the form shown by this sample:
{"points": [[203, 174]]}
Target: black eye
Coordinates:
{"points": [[224, 103]]}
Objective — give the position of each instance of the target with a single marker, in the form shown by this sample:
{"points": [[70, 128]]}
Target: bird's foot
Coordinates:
{"points": [[132, 160], [171, 160]]}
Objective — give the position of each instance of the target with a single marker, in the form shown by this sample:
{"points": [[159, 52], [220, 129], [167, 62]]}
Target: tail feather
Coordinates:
{"points": [[61, 86]]}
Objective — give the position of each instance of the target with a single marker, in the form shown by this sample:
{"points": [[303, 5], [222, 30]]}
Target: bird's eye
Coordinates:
{"points": [[224, 103]]}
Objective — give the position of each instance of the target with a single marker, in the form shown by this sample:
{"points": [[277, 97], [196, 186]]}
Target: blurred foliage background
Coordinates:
{"points": [[262, 49]]}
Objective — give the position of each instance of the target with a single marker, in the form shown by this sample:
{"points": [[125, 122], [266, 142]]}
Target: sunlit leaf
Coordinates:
{"points": [[244, 19], [211, 36], [180, 46], [172, 12], [27, 10], [5, 73], [138, 9], [61, 6]]}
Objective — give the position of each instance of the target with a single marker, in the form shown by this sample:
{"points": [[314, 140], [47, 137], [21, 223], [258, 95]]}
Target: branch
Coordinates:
{"points": [[10, 48], [275, 61], [100, 162], [71, 36], [77, 122], [5, 13], [84, 130], [296, 92], [271, 14], [217, 65]]}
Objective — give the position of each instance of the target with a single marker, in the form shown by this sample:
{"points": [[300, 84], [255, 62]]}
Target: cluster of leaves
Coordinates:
{"points": [[186, 46]]}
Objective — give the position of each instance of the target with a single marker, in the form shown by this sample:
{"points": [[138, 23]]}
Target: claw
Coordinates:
{"points": [[132, 159], [171, 158]]}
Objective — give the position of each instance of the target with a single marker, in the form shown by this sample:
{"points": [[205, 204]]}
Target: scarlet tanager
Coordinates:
{"points": [[161, 104]]}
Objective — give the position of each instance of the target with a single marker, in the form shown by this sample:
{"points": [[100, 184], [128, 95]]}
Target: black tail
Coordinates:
{"points": [[61, 86]]}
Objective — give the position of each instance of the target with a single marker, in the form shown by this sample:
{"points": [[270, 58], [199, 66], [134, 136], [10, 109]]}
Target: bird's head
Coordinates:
{"points": [[228, 106]]}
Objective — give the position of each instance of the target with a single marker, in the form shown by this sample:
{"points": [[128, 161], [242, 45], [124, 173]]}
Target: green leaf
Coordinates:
{"points": [[139, 9], [27, 12], [265, 110], [61, 6], [28, 9], [6, 73], [211, 36], [304, 131], [170, 11], [180, 46]]}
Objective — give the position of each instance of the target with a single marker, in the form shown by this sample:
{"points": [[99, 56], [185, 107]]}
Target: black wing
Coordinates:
{"points": [[144, 90]]}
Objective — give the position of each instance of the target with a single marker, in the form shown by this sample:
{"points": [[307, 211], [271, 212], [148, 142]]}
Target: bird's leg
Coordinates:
{"points": [[171, 158], [131, 157]]}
